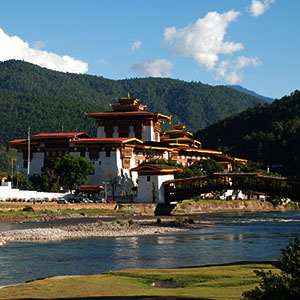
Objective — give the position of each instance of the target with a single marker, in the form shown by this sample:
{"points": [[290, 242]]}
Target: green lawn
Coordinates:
{"points": [[214, 282], [61, 212]]}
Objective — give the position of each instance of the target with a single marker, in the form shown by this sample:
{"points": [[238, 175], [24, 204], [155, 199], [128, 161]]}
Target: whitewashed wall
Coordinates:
{"points": [[148, 133], [100, 132], [6, 191], [144, 192]]}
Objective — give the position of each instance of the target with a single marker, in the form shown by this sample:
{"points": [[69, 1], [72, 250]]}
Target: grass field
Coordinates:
{"points": [[211, 282]]}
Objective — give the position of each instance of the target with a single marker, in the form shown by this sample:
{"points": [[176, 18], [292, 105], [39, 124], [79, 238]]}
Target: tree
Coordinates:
{"points": [[126, 185], [113, 180], [280, 286], [21, 182], [68, 172], [208, 166]]}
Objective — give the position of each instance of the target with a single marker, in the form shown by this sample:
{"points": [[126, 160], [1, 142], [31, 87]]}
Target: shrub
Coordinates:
{"points": [[28, 208], [121, 222], [281, 286], [130, 222]]}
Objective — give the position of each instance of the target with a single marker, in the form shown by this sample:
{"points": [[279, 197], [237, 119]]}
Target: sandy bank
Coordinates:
{"points": [[98, 229]]}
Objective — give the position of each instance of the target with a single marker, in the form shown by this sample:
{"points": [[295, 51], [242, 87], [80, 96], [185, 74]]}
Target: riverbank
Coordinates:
{"points": [[116, 228], [25, 212], [209, 282]]}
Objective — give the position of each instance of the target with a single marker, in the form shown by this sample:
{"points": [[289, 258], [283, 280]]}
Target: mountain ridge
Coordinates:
{"points": [[49, 100], [249, 92], [269, 134]]}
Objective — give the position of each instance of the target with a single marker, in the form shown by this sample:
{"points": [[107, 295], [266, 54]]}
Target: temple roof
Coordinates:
{"points": [[180, 140], [194, 149], [91, 188], [55, 135], [157, 168], [178, 132], [107, 140], [106, 114]]}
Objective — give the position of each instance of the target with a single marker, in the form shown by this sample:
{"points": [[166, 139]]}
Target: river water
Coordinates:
{"points": [[235, 237]]}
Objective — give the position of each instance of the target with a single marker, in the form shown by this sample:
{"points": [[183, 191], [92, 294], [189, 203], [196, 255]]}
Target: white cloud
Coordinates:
{"points": [[243, 61], [153, 68], [230, 70], [258, 8], [39, 44], [13, 47], [204, 40], [135, 46]]}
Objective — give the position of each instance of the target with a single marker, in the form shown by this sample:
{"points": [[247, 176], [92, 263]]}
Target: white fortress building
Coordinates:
{"points": [[126, 136]]}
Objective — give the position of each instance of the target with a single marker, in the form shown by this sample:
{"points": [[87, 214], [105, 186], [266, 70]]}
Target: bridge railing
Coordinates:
{"points": [[255, 182]]}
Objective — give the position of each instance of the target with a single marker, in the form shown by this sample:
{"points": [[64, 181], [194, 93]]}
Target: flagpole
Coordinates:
{"points": [[28, 164]]}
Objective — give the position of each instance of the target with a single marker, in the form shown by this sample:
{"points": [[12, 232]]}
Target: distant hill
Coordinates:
{"points": [[50, 101], [268, 133], [248, 92]]}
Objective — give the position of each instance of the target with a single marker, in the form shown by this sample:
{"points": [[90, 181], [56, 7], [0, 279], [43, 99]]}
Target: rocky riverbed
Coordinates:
{"points": [[120, 228]]}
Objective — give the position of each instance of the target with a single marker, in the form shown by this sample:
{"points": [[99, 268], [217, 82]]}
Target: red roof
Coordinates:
{"points": [[59, 135], [108, 140], [128, 113], [91, 188], [199, 150], [17, 141], [157, 168]]}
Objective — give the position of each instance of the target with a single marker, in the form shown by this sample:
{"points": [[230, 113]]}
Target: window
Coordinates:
{"points": [[82, 153], [25, 164], [148, 178], [99, 162], [107, 152]]}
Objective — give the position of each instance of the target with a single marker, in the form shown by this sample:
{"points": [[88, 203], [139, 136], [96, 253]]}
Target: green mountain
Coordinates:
{"points": [[249, 92], [268, 133], [49, 100]]}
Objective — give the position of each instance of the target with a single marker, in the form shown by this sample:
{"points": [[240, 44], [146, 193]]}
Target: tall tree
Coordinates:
{"points": [[68, 172]]}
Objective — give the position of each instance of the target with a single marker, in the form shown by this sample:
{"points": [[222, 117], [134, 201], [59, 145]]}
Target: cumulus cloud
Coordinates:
{"points": [[39, 44], [230, 70], [13, 47], [205, 39], [153, 68], [135, 46], [258, 8]]}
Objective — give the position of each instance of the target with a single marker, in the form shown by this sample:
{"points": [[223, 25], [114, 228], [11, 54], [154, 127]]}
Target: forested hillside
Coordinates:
{"points": [[48, 100], [268, 133], [248, 92]]}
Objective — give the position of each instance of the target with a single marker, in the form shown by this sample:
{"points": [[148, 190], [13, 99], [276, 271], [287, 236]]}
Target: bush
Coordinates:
{"points": [[28, 208], [130, 222], [280, 286], [121, 222]]}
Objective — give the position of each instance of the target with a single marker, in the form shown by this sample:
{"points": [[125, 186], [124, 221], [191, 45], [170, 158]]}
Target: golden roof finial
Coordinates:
{"points": [[128, 96]]}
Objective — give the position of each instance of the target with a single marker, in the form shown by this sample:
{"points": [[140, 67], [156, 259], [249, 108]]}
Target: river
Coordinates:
{"points": [[235, 237]]}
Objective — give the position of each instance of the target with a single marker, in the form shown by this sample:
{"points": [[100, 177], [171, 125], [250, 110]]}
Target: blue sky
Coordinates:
{"points": [[254, 43]]}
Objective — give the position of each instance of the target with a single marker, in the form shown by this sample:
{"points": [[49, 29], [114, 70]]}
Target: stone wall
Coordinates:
{"points": [[202, 208], [160, 209]]}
